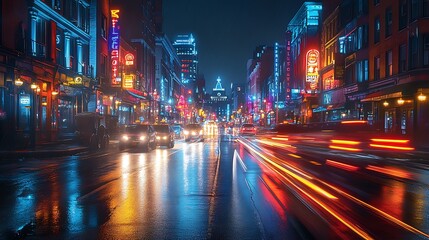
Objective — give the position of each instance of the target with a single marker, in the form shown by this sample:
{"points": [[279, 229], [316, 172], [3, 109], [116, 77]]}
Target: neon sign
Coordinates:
{"points": [[114, 48], [128, 81], [129, 59], [289, 69], [312, 71]]}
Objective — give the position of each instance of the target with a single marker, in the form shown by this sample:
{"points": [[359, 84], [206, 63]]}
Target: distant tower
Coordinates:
{"points": [[220, 102], [185, 46]]}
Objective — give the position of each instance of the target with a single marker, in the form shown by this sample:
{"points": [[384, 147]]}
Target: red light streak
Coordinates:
{"points": [[392, 147], [343, 166], [390, 140], [346, 142], [353, 122], [390, 171], [345, 148]]}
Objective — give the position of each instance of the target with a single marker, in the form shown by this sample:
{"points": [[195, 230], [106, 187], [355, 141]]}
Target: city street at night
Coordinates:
{"points": [[226, 119]]}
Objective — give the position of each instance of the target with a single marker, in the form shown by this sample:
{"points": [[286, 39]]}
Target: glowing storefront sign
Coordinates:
{"points": [[129, 59], [312, 72], [128, 81], [114, 48]]}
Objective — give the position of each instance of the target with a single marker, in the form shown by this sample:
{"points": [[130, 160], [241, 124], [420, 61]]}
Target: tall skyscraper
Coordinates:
{"points": [[185, 46]]}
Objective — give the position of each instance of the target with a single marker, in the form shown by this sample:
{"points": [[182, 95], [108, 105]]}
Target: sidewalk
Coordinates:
{"points": [[65, 147]]}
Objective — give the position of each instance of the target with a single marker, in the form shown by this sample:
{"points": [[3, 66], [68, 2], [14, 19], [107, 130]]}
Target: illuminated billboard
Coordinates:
{"points": [[312, 71], [114, 48]]}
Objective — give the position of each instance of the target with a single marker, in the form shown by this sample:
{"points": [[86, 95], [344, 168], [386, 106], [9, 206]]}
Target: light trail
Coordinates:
{"points": [[341, 165], [353, 227], [392, 147]]}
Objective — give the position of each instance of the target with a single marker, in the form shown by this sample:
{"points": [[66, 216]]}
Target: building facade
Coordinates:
{"points": [[45, 67], [304, 31], [167, 81], [185, 45], [260, 81], [399, 66], [344, 61]]}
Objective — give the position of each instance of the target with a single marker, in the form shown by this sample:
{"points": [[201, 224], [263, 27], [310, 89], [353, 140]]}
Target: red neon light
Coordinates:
{"points": [[353, 122]]}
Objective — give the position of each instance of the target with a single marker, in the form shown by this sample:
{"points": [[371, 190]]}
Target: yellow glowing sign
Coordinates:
{"points": [[312, 72], [129, 59], [128, 81]]}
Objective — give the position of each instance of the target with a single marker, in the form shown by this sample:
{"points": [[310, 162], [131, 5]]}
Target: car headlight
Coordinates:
{"points": [[186, 132], [194, 133], [165, 137], [142, 138], [125, 137], [201, 131], [158, 137]]}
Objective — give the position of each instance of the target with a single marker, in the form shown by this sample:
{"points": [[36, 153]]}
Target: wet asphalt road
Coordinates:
{"points": [[197, 190]]}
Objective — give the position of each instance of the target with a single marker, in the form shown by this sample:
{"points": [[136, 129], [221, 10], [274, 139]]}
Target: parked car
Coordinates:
{"points": [[178, 131], [164, 135], [91, 131], [193, 131], [138, 135], [248, 129]]}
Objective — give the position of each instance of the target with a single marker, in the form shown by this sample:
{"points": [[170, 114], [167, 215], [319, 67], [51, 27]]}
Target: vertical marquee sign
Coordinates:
{"points": [[288, 62], [312, 72], [114, 48]]}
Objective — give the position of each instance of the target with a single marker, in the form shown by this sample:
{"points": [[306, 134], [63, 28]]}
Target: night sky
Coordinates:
{"points": [[228, 31]]}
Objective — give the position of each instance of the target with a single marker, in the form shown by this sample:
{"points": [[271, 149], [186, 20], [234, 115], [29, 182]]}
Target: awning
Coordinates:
{"points": [[137, 94], [381, 95]]}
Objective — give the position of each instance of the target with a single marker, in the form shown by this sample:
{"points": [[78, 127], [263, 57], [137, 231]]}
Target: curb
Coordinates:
{"points": [[43, 153]]}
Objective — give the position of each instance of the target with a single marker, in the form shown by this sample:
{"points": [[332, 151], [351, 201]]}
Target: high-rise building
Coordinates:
{"points": [[185, 46]]}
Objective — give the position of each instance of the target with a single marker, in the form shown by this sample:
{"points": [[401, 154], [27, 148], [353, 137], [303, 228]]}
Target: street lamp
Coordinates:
{"points": [[19, 82]]}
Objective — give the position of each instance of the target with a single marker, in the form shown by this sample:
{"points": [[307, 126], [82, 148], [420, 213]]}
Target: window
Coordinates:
{"points": [[414, 52], [103, 65], [414, 9], [389, 65], [426, 50], [362, 36], [425, 8], [39, 46], [362, 71], [402, 58], [403, 14], [388, 22], [377, 68], [104, 26], [377, 30]]}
